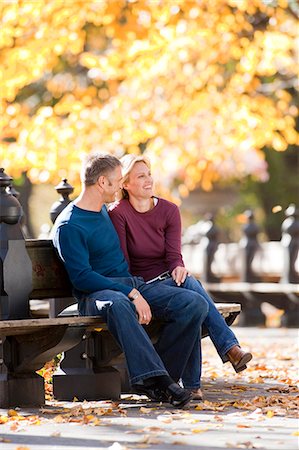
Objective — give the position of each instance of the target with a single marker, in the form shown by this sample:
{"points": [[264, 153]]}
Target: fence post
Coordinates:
{"points": [[249, 246], [290, 244], [16, 268], [210, 244], [65, 189]]}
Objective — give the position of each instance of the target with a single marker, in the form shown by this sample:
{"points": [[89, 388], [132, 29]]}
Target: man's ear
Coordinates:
{"points": [[101, 181]]}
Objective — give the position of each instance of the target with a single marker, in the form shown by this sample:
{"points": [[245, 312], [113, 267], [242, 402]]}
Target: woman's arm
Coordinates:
{"points": [[173, 253], [119, 223]]}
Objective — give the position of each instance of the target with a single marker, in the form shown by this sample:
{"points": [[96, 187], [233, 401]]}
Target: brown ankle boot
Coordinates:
{"points": [[238, 358]]}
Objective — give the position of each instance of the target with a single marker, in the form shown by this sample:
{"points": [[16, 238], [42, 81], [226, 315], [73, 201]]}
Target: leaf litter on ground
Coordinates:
{"points": [[268, 388]]}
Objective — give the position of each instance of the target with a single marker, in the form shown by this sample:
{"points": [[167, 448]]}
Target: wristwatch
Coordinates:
{"points": [[134, 296]]}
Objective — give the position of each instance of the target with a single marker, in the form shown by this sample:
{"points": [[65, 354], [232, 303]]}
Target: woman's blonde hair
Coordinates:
{"points": [[127, 163]]}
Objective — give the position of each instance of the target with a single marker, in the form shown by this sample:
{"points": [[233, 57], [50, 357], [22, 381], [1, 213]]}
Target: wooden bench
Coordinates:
{"points": [[92, 367]]}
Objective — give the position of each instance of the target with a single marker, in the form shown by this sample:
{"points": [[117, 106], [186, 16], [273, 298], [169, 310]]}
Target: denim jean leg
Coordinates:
{"points": [[183, 314], [220, 333], [120, 315], [191, 377]]}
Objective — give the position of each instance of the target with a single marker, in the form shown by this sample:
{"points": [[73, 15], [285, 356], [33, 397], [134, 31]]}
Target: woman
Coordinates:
{"points": [[149, 229]]}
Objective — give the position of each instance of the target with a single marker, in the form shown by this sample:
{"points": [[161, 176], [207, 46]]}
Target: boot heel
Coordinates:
{"points": [[239, 369]]}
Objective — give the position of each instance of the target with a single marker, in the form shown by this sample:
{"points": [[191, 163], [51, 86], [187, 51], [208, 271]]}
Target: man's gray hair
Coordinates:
{"points": [[96, 165]]}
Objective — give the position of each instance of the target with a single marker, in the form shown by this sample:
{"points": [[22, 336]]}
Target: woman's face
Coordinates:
{"points": [[140, 182]]}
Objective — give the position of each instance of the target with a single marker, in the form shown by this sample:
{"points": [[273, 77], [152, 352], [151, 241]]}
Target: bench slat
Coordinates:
{"points": [[26, 326]]}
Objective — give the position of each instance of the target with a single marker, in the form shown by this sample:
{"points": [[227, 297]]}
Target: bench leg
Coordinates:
{"points": [[290, 318], [121, 367], [22, 355], [251, 315], [21, 390], [86, 371], [87, 384]]}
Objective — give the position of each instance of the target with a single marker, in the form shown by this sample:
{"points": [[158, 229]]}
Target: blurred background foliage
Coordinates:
{"points": [[207, 89]]}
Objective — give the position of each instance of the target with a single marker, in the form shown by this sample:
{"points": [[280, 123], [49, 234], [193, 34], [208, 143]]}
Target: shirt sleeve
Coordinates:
{"points": [[73, 250], [173, 231], [119, 222]]}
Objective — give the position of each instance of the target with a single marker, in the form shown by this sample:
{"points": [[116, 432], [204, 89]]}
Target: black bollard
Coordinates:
{"points": [[12, 191], [209, 241], [290, 244], [24, 193], [16, 268], [252, 314], [249, 246], [65, 189]]}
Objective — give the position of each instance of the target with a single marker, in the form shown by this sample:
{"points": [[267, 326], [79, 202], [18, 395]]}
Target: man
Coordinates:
{"points": [[89, 247]]}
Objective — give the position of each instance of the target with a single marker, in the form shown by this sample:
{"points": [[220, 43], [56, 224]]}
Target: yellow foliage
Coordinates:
{"points": [[200, 85]]}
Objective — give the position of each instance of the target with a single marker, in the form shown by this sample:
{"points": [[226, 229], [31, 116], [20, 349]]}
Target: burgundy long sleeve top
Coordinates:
{"points": [[151, 241]]}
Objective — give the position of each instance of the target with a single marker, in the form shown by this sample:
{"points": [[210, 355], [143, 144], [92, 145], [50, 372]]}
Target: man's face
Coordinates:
{"points": [[113, 183]]}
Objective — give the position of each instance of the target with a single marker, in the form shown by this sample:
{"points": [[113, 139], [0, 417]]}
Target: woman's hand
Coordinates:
{"points": [[179, 275], [143, 310]]}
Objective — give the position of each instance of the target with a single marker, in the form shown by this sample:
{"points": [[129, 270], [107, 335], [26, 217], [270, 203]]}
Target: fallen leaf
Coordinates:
{"points": [[184, 433], [59, 419], [199, 430], [154, 429], [3, 419], [218, 418], [152, 440], [164, 419], [145, 410]]}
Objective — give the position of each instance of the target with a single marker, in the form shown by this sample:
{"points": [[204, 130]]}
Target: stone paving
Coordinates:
{"points": [[255, 409]]}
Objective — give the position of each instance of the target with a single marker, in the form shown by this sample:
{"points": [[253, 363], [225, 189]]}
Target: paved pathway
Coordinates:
{"points": [[256, 409]]}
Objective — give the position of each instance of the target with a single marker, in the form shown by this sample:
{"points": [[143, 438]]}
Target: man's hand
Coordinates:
{"points": [[142, 307], [143, 310], [179, 275]]}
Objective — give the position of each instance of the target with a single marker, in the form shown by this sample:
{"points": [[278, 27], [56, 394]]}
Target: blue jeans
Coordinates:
{"points": [[220, 333], [183, 312]]}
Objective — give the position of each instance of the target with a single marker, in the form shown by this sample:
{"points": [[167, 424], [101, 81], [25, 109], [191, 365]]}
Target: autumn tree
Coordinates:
{"points": [[202, 87]]}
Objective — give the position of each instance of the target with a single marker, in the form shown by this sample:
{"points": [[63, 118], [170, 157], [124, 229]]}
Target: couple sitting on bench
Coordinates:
{"points": [[97, 259]]}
